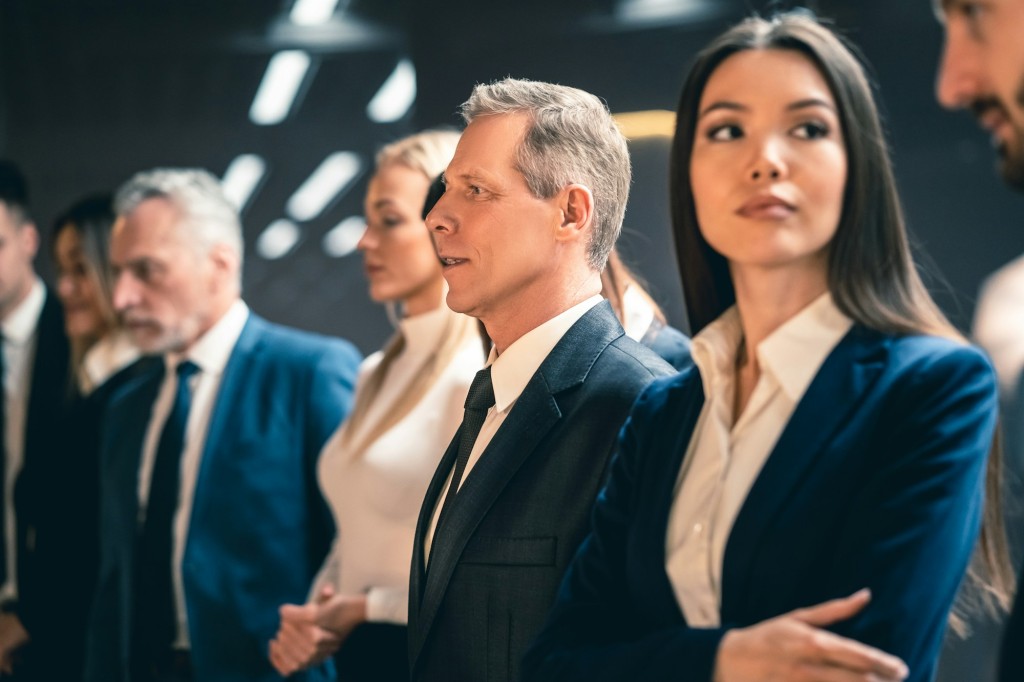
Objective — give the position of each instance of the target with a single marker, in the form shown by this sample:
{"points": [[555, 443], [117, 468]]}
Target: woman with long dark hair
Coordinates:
{"points": [[809, 495]]}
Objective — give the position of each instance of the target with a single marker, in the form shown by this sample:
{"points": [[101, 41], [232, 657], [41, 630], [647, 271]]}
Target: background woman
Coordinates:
{"points": [[409, 402], [834, 432], [639, 314], [59, 572]]}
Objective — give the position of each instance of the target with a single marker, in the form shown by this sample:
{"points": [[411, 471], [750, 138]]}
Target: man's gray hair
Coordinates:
{"points": [[571, 138], [206, 212]]}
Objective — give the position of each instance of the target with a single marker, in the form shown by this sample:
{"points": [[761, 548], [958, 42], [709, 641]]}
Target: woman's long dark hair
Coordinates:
{"points": [[871, 272]]}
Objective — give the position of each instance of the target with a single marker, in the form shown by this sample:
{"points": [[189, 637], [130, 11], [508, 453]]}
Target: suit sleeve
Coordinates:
{"points": [[593, 632], [330, 399], [911, 530]]}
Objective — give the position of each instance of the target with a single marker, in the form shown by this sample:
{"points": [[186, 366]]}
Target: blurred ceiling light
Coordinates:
{"points": [[395, 96], [278, 239], [242, 177], [662, 10], [327, 182], [312, 12], [280, 85], [653, 123], [341, 239]]}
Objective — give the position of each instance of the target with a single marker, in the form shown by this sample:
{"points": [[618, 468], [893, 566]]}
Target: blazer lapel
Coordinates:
{"points": [[126, 436], [837, 389], [225, 404], [535, 412], [657, 501]]}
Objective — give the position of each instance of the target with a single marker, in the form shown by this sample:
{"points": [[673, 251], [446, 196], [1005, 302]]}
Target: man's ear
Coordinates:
{"points": [[225, 263], [29, 236], [577, 205]]}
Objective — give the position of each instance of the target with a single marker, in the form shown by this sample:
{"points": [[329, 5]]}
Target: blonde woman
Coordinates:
{"points": [[409, 402]]}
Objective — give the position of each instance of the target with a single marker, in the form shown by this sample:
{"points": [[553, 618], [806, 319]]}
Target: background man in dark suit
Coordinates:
{"points": [[210, 511], [34, 370], [982, 69], [534, 202]]}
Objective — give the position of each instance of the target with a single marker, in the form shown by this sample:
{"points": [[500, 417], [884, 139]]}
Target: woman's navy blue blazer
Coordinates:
{"points": [[877, 481]]}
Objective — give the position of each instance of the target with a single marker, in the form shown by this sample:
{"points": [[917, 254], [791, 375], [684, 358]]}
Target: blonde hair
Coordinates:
{"points": [[428, 152]]}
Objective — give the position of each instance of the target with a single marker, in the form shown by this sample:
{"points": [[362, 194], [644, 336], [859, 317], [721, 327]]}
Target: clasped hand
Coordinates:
{"points": [[310, 633]]}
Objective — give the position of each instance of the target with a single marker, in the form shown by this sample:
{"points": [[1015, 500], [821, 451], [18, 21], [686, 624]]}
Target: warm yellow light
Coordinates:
{"points": [[653, 123]]}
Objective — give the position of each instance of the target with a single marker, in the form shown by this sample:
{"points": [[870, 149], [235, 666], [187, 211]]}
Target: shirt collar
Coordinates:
{"points": [[212, 350], [107, 356], [21, 324], [513, 369], [792, 354], [795, 351]]}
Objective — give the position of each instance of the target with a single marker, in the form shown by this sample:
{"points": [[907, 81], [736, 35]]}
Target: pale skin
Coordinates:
{"points": [[514, 260], [402, 266], [768, 171], [18, 245]]}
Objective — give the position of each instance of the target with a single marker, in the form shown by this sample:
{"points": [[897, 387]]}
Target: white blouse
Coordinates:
{"points": [[725, 454], [376, 495]]}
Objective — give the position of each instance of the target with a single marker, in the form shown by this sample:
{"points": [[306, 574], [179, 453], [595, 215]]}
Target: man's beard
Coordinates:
{"points": [[1011, 152]]}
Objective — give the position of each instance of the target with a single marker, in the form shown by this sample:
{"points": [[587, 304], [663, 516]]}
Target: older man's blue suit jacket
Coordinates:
{"points": [[877, 481], [259, 528]]}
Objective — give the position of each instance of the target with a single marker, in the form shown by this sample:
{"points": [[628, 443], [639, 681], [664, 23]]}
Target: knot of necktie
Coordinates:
{"points": [[481, 391]]}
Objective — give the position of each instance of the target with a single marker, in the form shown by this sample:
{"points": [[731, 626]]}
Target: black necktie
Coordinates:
{"points": [[155, 623], [479, 399]]}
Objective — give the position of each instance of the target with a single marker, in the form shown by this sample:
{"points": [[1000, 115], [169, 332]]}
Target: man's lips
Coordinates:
{"points": [[448, 261]]}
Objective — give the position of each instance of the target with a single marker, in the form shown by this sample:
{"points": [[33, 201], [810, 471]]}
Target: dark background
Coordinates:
{"points": [[94, 90]]}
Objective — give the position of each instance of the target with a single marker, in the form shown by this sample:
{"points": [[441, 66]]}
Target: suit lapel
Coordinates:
{"points": [[50, 382], [838, 388], [532, 417], [657, 505], [229, 396], [126, 436]]}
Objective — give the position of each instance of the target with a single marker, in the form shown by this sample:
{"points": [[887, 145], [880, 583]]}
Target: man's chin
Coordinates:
{"points": [[1012, 169]]}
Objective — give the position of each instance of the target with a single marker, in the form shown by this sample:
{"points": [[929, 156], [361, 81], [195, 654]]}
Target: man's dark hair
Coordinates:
{"points": [[14, 191]]}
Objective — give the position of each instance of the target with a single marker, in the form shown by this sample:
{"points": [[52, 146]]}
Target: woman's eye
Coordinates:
{"points": [[725, 133], [811, 131]]}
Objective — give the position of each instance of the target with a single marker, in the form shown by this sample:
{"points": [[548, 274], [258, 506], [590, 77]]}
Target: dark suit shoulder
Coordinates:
{"points": [[646, 361], [669, 343]]}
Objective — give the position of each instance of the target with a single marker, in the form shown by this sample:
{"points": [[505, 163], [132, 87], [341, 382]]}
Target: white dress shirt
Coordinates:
{"points": [[376, 494], [107, 357], [510, 373], [725, 454], [20, 334], [999, 323], [210, 353]]}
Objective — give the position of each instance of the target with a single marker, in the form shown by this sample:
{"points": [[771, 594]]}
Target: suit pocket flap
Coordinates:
{"points": [[510, 551]]}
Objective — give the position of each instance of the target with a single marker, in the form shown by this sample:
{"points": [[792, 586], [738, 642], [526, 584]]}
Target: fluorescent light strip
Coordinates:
{"points": [[395, 96], [342, 239], [278, 239], [312, 12], [328, 181], [280, 85], [242, 177]]}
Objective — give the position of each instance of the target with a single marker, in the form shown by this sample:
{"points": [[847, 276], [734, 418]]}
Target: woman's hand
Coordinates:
{"points": [[310, 633], [794, 647]]}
